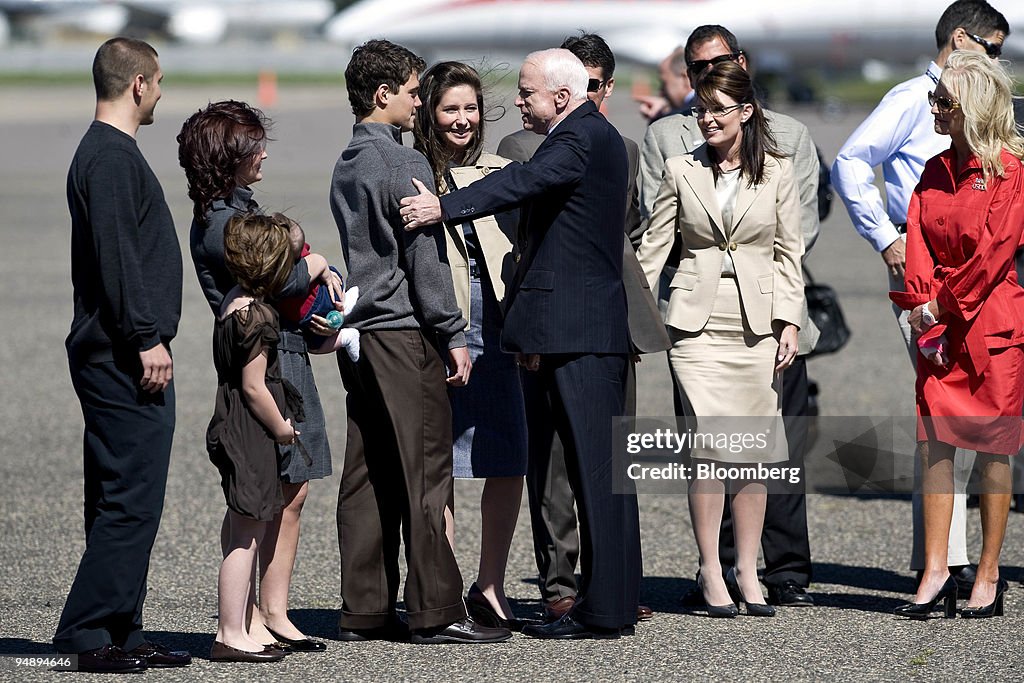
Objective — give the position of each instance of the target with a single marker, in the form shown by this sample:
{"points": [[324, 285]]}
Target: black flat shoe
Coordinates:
{"points": [[300, 644], [485, 615], [754, 609], [922, 610], [568, 628], [225, 653], [995, 609]]}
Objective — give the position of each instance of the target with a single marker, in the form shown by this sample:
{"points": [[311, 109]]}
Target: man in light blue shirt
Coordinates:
{"points": [[899, 135]]}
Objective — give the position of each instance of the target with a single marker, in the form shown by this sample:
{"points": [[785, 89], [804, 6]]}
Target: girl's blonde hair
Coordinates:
{"points": [[258, 252], [984, 90]]}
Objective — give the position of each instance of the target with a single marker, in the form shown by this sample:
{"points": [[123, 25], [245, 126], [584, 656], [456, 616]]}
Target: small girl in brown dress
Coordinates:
{"points": [[253, 412]]}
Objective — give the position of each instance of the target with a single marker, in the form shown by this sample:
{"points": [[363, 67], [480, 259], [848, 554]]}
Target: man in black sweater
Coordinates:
{"points": [[126, 274]]}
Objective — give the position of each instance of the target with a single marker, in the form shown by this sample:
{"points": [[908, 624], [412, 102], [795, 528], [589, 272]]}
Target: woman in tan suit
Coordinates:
{"points": [[488, 414], [733, 315]]}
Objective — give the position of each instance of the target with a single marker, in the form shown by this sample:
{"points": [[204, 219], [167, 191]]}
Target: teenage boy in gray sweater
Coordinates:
{"points": [[397, 480]]}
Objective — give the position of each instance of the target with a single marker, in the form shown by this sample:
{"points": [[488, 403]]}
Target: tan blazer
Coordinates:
{"points": [[765, 242], [494, 242]]}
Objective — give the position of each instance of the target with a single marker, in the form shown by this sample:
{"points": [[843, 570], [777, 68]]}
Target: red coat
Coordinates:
{"points": [[961, 237]]}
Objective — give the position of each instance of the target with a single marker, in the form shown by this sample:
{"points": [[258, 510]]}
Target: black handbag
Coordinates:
{"points": [[824, 311]]}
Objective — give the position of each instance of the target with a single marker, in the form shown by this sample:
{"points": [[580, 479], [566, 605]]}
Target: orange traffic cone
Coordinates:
{"points": [[641, 86], [266, 90]]}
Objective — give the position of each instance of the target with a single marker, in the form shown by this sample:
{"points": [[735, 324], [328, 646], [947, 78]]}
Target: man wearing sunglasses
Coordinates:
{"points": [[784, 539], [899, 136]]}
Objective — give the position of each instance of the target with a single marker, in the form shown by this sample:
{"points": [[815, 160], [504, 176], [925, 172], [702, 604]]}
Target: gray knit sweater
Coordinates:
{"points": [[403, 277]]}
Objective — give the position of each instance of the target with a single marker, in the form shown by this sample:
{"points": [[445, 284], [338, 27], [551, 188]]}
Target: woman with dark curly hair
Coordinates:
{"points": [[222, 148]]}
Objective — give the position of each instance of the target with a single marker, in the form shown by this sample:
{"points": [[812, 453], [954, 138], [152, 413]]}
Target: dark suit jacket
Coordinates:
{"points": [[646, 328], [566, 295]]}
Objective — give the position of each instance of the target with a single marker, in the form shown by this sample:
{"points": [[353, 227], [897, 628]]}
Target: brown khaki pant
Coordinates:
{"points": [[397, 479]]}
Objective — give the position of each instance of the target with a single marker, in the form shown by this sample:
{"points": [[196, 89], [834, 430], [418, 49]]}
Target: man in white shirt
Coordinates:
{"points": [[899, 135]]}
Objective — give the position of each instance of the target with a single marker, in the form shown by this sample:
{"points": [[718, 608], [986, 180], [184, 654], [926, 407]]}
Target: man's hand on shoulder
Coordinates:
{"points": [[460, 365], [420, 209], [895, 257], [157, 369]]}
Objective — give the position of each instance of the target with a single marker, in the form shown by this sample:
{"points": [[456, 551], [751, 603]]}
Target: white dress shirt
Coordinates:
{"points": [[900, 136]]}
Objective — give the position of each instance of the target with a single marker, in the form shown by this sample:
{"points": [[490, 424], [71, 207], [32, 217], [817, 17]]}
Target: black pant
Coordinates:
{"points": [[577, 396], [397, 480], [556, 541], [128, 436], [784, 541]]}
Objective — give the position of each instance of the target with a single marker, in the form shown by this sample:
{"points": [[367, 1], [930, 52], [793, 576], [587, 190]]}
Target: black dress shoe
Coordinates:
{"points": [[556, 609], [995, 609], [159, 657], [568, 628], [464, 630], [789, 594], [923, 610], [110, 659], [964, 577], [643, 613], [396, 631], [300, 644], [485, 615], [225, 653]]}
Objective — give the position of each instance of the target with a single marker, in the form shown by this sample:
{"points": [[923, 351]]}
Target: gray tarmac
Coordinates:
{"points": [[860, 544]]}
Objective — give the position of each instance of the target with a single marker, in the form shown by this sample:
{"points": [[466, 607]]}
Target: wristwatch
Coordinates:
{"points": [[927, 317]]}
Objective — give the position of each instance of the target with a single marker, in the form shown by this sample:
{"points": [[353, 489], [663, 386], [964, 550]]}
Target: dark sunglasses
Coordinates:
{"points": [[593, 85], [698, 66], [944, 104], [993, 50]]}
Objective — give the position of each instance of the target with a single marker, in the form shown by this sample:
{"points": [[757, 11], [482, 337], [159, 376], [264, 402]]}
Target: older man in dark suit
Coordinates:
{"points": [[552, 511], [566, 316]]}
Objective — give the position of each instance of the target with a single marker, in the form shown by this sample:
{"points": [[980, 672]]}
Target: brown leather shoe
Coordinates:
{"points": [[643, 613], [556, 609], [225, 653]]}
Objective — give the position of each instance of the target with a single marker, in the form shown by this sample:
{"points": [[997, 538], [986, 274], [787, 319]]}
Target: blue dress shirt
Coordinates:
{"points": [[900, 136]]}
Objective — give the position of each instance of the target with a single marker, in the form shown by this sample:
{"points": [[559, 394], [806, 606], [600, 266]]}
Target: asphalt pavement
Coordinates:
{"points": [[860, 544]]}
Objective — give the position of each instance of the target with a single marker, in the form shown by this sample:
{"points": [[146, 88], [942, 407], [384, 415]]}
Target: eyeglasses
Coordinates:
{"points": [[993, 50], [593, 85], [944, 104], [697, 66], [716, 113]]}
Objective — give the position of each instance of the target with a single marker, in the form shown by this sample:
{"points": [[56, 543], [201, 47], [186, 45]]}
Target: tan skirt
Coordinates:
{"points": [[728, 376]]}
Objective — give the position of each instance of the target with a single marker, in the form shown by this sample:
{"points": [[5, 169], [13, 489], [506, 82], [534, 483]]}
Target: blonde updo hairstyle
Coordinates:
{"points": [[984, 90], [258, 252]]}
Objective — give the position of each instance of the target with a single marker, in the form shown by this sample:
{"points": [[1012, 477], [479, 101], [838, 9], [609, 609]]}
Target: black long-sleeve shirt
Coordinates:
{"points": [[125, 259]]}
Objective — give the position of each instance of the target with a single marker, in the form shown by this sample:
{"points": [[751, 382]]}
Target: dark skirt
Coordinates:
{"points": [[296, 369], [488, 414]]}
